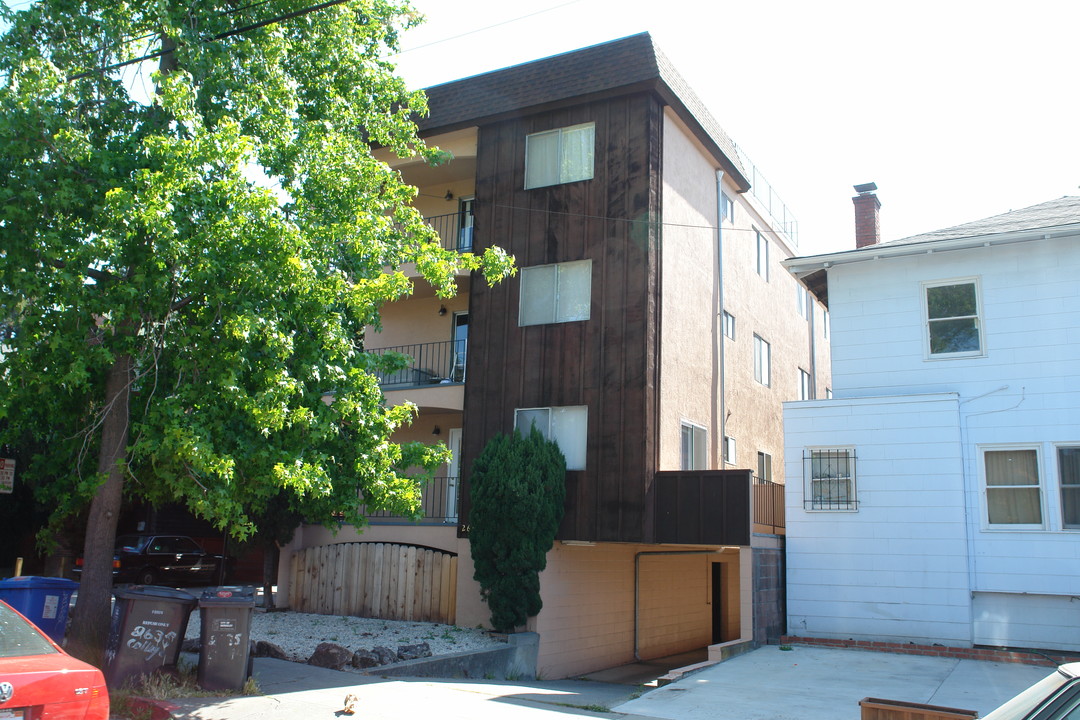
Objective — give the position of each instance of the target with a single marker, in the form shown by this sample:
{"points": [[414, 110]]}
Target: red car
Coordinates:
{"points": [[39, 681]]}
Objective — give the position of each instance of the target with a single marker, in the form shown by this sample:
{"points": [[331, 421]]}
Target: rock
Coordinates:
{"points": [[386, 655], [270, 650], [365, 659], [413, 652], [330, 655]]}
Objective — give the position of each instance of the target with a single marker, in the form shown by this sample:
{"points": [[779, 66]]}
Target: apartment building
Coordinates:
{"points": [[650, 330]]}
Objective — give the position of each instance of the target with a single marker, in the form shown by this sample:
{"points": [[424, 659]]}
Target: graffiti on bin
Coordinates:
{"points": [[223, 639], [148, 638]]}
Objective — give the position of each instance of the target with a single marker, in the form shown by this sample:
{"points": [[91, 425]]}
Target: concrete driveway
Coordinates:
{"points": [[810, 683]]}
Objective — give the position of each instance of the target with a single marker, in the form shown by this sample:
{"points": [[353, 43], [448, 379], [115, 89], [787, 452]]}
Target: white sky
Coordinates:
{"points": [[958, 110]]}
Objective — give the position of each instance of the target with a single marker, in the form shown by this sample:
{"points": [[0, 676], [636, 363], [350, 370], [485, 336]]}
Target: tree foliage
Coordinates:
{"points": [[192, 250], [517, 489]]}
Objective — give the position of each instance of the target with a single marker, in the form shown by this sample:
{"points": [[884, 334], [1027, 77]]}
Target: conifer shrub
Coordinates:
{"points": [[517, 492]]}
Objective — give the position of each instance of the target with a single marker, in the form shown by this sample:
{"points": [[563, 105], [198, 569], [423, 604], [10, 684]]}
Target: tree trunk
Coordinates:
{"points": [[90, 618], [271, 553]]}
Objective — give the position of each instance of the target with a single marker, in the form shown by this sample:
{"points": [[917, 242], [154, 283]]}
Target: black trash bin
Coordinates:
{"points": [[225, 635], [148, 627]]}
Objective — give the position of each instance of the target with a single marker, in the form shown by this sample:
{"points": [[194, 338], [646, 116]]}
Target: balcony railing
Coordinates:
{"points": [[437, 363], [455, 230], [768, 507], [439, 504]]}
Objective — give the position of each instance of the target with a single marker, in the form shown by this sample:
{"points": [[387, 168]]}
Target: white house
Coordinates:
{"points": [[939, 499]]}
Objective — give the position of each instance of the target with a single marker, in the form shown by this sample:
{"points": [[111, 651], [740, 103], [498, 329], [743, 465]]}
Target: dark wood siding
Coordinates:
{"points": [[607, 363], [708, 507]]}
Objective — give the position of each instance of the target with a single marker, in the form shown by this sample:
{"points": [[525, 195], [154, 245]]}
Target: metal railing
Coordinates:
{"points": [[455, 230], [437, 363], [440, 502], [768, 506], [763, 192]]}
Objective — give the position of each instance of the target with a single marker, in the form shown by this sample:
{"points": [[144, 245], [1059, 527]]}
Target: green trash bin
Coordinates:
{"points": [[148, 627], [225, 635]]}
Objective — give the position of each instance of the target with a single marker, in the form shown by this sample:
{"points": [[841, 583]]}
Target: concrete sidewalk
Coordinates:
{"points": [[805, 683], [811, 683]]}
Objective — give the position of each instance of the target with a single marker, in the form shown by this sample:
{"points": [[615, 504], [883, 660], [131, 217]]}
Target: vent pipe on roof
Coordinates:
{"points": [[867, 215]]}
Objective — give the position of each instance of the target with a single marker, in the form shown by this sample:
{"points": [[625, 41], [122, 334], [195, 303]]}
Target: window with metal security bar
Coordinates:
{"points": [[830, 479]]}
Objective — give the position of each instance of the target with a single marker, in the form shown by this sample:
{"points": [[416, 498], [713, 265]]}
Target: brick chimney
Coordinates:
{"points": [[867, 215]]}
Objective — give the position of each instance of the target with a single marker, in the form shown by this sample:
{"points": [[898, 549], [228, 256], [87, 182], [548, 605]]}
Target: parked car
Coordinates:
{"points": [[1055, 697], [38, 680], [169, 559]]}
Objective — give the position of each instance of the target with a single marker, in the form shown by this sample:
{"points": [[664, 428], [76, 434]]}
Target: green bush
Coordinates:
{"points": [[517, 491]]}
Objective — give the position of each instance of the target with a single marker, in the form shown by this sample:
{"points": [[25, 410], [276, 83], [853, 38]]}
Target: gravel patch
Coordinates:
{"points": [[298, 634]]}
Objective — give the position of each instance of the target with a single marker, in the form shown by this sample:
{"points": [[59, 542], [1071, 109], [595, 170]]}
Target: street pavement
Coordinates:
{"points": [[804, 683]]}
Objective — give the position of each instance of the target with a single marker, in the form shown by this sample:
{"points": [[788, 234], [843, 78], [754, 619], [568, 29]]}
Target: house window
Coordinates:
{"points": [[1069, 479], [830, 479], [804, 385], [762, 361], [555, 293], [764, 467], [727, 208], [567, 426], [1013, 490], [729, 450], [729, 325], [952, 319], [559, 156], [762, 255], [694, 447]]}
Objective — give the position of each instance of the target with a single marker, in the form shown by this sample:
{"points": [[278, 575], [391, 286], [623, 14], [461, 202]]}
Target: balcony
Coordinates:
{"points": [[455, 230], [436, 363], [768, 507], [439, 503]]}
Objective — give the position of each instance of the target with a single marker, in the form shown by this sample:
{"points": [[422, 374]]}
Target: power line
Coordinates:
{"points": [[488, 27]]}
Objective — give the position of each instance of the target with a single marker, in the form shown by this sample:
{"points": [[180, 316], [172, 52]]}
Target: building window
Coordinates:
{"points": [[727, 208], [1013, 490], [952, 319], [800, 299], [764, 467], [804, 385], [694, 447], [729, 325], [828, 393], [729, 450], [559, 156], [762, 255], [1069, 479], [825, 322], [762, 361], [555, 293], [567, 426], [830, 479]]}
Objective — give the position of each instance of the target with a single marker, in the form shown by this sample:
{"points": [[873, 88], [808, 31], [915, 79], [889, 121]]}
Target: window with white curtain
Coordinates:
{"points": [[559, 156], [567, 426], [555, 293], [694, 446], [1013, 487]]}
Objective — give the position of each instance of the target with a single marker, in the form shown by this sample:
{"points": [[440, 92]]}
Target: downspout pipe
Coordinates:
{"points": [[637, 585], [719, 366]]}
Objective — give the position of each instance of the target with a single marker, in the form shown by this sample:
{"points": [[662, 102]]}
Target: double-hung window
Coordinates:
{"points": [[953, 326], [1069, 478], [764, 467], [555, 293], [694, 447], [727, 207], [729, 325], [804, 385], [762, 361], [830, 479], [1013, 488], [729, 450], [559, 156], [566, 426]]}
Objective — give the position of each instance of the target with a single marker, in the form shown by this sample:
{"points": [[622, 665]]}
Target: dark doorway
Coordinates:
{"points": [[717, 603]]}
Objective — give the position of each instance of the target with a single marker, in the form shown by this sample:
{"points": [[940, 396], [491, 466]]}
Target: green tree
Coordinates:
{"points": [[517, 489], [181, 331]]}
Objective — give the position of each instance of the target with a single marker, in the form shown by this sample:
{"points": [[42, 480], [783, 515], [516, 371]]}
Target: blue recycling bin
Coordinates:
{"points": [[43, 600]]}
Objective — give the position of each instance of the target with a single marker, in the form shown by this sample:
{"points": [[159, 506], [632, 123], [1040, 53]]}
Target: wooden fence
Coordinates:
{"points": [[381, 580], [769, 507]]}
